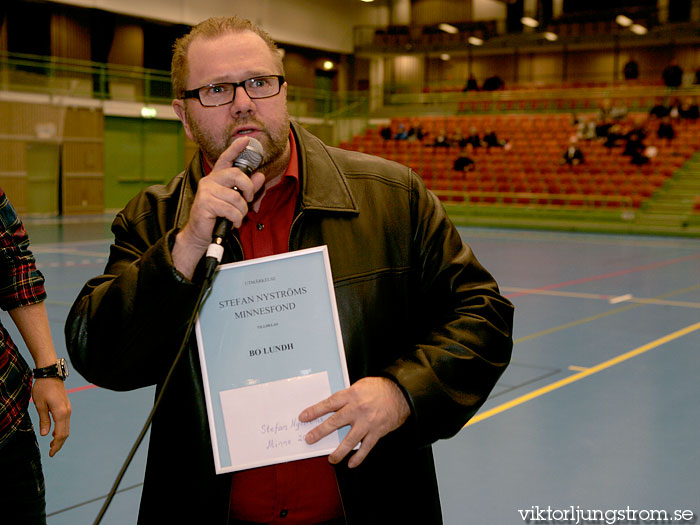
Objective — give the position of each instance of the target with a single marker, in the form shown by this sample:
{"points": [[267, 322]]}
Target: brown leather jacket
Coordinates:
{"points": [[414, 306]]}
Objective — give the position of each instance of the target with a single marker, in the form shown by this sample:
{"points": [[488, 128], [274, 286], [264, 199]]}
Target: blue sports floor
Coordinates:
{"points": [[597, 412]]}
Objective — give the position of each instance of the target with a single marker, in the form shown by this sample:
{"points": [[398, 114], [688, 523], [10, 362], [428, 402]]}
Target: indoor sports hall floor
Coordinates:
{"points": [[597, 412]]}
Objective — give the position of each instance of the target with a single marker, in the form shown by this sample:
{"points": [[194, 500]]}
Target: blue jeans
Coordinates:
{"points": [[21, 478]]}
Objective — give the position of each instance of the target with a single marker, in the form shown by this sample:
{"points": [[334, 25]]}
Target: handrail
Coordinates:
{"points": [[57, 76], [64, 76]]}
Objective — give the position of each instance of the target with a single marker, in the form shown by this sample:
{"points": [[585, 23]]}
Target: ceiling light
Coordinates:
{"points": [[623, 20], [638, 29], [368, 1], [529, 21], [448, 28], [328, 65], [445, 57], [552, 37], [475, 41]]}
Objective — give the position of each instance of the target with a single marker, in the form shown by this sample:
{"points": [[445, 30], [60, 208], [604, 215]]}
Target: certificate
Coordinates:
{"points": [[269, 346]]}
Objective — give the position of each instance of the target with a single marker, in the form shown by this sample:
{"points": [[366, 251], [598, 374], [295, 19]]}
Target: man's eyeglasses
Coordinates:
{"points": [[221, 94]]}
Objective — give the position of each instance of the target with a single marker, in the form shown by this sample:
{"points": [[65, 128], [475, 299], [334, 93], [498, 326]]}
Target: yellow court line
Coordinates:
{"points": [[584, 373], [578, 368]]}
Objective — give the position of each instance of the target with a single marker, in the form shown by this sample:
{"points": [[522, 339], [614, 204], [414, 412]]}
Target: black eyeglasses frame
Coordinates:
{"points": [[194, 93]]}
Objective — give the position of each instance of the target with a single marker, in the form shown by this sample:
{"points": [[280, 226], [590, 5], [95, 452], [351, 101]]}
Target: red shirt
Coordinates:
{"points": [[303, 491]]}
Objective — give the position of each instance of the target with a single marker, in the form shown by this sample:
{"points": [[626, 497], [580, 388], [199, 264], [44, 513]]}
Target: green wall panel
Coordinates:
{"points": [[43, 161], [139, 153]]}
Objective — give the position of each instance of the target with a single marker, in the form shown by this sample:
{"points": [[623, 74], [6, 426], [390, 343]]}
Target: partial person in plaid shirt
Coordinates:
{"points": [[22, 294]]}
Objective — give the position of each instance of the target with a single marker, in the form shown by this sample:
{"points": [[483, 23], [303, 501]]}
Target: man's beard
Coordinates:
{"points": [[213, 147]]}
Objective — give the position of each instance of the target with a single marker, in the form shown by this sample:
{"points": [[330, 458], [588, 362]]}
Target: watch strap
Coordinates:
{"points": [[59, 369]]}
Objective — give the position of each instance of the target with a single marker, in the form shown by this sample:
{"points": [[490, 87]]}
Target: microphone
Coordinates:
{"points": [[248, 161]]}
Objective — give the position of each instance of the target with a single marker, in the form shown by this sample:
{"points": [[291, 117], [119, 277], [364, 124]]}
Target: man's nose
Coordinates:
{"points": [[242, 103]]}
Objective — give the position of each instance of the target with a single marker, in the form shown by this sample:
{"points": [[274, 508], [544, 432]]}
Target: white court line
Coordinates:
{"points": [[599, 297], [555, 293], [620, 299]]}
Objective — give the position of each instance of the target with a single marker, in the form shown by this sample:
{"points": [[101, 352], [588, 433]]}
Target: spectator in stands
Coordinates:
{"points": [[604, 118], [665, 129], [585, 129], [631, 69], [672, 75], [473, 138], [464, 162], [458, 138], [411, 133], [441, 140], [644, 156], [615, 133], [492, 141], [639, 126], [573, 156], [401, 133], [386, 133], [689, 109], [492, 83], [634, 142], [660, 109], [471, 84], [618, 110], [605, 110], [674, 108]]}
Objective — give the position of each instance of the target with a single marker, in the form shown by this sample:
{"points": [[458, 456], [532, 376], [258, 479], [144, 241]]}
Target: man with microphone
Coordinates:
{"points": [[425, 330]]}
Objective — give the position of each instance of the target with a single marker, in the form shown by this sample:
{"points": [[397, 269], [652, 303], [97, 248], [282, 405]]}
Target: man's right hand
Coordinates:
{"points": [[215, 197]]}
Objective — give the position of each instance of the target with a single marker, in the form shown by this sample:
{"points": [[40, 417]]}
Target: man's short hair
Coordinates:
{"points": [[212, 28]]}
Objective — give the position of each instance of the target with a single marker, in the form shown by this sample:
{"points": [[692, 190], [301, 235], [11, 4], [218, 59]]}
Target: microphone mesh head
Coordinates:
{"points": [[251, 157]]}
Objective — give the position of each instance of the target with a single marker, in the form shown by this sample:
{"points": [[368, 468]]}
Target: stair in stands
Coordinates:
{"points": [[671, 206]]}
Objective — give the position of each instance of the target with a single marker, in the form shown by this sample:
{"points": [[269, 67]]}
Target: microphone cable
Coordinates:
{"points": [[205, 287], [248, 161]]}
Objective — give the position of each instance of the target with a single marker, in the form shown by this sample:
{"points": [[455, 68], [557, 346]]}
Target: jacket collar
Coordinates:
{"points": [[324, 186]]}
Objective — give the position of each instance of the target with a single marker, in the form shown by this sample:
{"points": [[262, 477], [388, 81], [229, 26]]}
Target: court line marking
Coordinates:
{"points": [[577, 238], [603, 297], [70, 251], [601, 315], [93, 500], [555, 293], [583, 374], [81, 388], [621, 299], [577, 368], [651, 266], [687, 304]]}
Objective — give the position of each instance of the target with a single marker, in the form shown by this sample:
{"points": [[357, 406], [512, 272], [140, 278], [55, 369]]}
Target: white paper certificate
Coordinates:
{"points": [[269, 428], [269, 346]]}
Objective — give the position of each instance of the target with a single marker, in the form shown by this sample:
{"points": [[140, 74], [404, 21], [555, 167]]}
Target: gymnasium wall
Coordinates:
{"points": [[51, 158]]}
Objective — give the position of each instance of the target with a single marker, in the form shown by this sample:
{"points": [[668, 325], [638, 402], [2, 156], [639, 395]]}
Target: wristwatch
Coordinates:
{"points": [[59, 370]]}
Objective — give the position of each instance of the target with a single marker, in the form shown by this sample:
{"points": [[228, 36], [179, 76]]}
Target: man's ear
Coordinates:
{"points": [[179, 107]]}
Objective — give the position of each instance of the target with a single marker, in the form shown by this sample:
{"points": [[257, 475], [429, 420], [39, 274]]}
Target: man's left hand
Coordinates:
{"points": [[373, 407], [51, 400]]}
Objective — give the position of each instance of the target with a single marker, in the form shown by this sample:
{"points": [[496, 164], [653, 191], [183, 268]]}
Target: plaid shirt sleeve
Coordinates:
{"points": [[21, 284]]}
